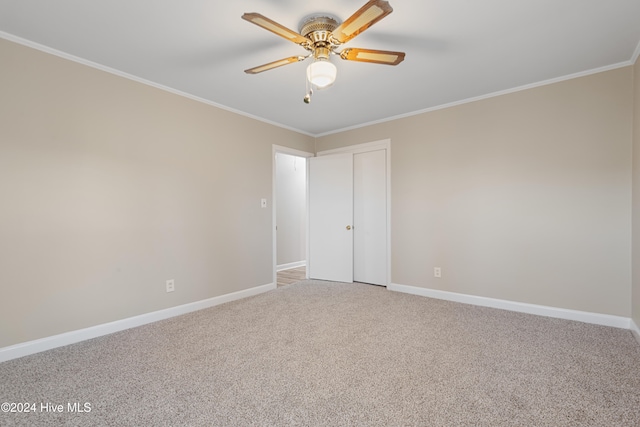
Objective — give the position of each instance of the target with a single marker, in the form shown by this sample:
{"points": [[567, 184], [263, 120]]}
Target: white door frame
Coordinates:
{"points": [[275, 149], [384, 144]]}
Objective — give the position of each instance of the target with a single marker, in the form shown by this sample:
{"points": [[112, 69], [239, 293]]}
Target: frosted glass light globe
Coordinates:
{"points": [[321, 73]]}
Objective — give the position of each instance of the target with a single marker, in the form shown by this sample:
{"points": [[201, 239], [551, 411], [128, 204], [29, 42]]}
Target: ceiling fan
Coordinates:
{"points": [[321, 35]]}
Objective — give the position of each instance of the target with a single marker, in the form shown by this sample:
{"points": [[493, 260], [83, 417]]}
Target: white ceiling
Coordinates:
{"points": [[456, 50]]}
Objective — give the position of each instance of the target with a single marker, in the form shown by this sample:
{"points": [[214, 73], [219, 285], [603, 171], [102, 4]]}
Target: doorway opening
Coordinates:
{"points": [[289, 215]]}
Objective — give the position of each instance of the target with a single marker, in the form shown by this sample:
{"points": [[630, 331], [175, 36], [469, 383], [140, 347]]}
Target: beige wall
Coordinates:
{"points": [[524, 197], [110, 187], [636, 194]]}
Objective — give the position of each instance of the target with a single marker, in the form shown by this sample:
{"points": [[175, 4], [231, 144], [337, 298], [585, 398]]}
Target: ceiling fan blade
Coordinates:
{"points": [[376, 56], [274, 27], [365, 17], [275, 64]]}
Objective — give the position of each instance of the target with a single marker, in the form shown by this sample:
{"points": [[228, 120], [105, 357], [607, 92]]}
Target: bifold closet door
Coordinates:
{"points": [[370, 217], [331, 218]]}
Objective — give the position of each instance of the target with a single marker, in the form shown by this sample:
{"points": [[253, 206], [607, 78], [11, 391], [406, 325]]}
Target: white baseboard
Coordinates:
{"points": [[635, 330], [36, 346], [540, 310], [291, 265]]}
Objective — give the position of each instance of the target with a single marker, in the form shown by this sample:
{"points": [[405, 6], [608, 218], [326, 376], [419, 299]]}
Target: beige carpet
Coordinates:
{"points": [[332, 354]]}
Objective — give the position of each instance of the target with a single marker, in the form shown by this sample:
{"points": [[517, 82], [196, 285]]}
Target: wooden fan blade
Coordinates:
{"points": [[274, 27], [275, 64], [376, 56], [365, 17]]}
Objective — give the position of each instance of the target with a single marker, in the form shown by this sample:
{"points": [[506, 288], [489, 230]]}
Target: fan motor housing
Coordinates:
{"points": [[318, 28]]}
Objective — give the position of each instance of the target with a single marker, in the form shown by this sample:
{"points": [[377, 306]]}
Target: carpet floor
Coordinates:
{"points": [[332, 354]]}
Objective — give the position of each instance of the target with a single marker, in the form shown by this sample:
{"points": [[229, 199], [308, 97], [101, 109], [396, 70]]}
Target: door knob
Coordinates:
{"points": [[348, 227]]}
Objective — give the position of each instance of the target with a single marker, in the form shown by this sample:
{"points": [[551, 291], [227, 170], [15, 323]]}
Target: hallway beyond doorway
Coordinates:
{"points": [[292, 275]]}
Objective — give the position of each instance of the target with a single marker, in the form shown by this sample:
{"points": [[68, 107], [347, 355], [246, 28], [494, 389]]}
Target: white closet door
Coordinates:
{"points": [[370, 217], [331, 218]]}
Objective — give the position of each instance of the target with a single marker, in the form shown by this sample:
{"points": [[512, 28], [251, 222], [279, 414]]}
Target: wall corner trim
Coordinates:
{"points": [[635, 330], [540, 310], [72, 337], [635, 55]]}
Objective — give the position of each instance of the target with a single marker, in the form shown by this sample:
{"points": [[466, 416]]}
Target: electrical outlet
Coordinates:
{"points": [[171, 285], [437, 272]]}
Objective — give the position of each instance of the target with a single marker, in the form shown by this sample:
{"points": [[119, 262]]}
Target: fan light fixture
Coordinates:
{"points": [[321, 73]]}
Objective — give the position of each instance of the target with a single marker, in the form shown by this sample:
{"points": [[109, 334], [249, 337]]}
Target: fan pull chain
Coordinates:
{"points": [[308, 90]]}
